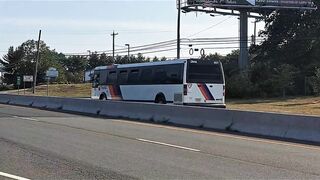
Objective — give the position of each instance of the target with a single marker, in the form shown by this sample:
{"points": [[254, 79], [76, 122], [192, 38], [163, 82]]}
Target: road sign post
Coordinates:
{"points": [[26, 78], [51, 73], [48, 81], [18, 83]]}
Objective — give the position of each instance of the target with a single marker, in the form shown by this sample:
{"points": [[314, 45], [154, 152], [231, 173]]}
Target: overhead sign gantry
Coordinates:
{"points": [[243, 9], [252, 4]]}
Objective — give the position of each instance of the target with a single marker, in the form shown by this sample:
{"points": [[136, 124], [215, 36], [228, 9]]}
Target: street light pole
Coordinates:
{"points": [[128, 51], [255, 32], [178, 29]]}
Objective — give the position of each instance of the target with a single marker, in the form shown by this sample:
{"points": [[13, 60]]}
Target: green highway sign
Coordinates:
{"points": [[18, 80]]}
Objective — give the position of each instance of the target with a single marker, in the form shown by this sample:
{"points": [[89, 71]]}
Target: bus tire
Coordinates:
{"points": [[160, 99], [103, 97]]}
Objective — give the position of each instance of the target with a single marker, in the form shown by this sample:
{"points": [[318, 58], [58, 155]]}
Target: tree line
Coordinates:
{"points": [[21, 61], [287, 62]]}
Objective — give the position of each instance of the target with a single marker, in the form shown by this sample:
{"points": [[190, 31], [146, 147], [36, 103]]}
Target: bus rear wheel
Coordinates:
{"points": [[160, 99]]}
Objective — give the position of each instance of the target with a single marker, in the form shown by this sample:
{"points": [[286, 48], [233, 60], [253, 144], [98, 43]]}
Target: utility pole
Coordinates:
{"points": [[128, 51], [255, 32], [37, 61], [113, 37], [243, 58], [178, 29]]}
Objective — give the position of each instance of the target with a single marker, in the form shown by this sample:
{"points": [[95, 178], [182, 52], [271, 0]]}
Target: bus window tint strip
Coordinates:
{"points": [[162, 74]]}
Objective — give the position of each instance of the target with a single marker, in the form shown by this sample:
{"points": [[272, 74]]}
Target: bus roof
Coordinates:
{"points": [[176, 61]]}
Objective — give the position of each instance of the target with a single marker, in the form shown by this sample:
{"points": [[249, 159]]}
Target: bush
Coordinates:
{"points": [[240, 86], [5, 88]]}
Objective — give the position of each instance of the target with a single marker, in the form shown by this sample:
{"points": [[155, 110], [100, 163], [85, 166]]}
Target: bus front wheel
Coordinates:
{"points": [[160, 99], [103, 97]]}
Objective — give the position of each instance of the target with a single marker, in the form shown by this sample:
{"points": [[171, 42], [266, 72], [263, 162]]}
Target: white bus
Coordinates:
{"points": [[192, 81]]}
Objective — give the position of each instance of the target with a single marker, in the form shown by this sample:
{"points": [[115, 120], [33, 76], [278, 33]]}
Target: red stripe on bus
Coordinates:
{"points": [[205, 92], [115, 92], [112, 93]]}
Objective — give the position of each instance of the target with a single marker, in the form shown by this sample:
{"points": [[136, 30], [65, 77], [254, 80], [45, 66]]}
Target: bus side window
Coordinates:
{"points": [[133, 77], [146, 76], [174, 75], [103, 78], [122, 77], [112, 77], [159, 76]]}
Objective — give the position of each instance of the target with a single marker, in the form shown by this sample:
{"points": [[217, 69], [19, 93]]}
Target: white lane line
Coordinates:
{"points": [[224, 135], [25, 118], [170, 145], [12, 176]]}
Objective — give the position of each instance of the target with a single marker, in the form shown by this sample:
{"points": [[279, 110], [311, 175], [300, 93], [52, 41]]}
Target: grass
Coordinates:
{"points": [[60, 90], [290, 105]]}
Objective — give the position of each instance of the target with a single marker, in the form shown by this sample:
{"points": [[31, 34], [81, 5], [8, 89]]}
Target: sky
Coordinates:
{"points": [[76, 26]]}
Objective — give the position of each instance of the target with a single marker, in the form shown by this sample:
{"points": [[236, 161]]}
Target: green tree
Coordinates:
{"points": [[107, 60], [141, 58], [284, 78], [75, 67], [21, 61], [155, 59], [96, 60], [291, 38], [12, 64], [163, 59]]}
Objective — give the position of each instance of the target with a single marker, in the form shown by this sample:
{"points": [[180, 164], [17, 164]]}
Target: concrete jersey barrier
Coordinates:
{"points": [[48, 102], [82, 105], [22, 100], [305, 128], [4, 99]]}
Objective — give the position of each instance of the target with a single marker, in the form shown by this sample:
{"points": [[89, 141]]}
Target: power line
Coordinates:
{"points": [[163, 45], [210, 27], [150, 52]]}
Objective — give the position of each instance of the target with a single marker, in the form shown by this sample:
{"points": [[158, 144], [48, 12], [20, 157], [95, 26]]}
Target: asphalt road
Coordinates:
{"points": [[37, 144]]}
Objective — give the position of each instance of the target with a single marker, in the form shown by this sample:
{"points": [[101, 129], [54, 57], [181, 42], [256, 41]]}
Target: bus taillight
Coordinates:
{"points": [[185, 89], [224, 90]]}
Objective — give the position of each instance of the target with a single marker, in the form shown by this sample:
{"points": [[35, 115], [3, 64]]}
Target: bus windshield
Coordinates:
{"points": [[204, 72]]}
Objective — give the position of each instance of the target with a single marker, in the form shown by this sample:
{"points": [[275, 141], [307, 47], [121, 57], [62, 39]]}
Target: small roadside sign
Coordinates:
{"points": [[18, 80], [27, 78], [52, 73]]}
